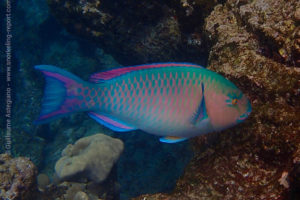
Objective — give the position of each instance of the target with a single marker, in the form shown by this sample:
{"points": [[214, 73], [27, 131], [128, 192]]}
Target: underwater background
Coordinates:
{"points": [[255, 44]]}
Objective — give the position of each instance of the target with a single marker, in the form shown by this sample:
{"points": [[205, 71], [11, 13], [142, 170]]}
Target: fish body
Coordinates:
{"points": [[173, 100]]}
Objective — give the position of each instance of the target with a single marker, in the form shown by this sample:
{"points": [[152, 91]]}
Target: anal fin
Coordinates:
{"points": [[111, 122], [172, 139]]}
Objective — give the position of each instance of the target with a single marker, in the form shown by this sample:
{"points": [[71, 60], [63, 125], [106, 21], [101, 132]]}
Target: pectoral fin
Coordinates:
{"points": [[171, 139], [200, 114]]}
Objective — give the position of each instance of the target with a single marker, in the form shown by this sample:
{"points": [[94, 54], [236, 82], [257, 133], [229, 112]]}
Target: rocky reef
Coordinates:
{"points": [[90, 163], [17, 178], [255, 44], [148, 31], [86, 171]]}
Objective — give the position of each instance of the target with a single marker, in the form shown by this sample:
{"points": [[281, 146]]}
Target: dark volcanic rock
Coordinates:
{"points": [[142, 31]]}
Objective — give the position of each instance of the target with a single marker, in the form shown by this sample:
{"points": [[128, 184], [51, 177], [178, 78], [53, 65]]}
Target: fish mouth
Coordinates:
{"points": [[245, 115]]}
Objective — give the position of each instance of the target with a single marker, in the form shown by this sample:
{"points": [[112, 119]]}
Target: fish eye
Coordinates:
{"points": [[234, 101]]}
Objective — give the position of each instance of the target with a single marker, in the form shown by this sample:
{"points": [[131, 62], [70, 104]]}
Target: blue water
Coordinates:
{"points": [[146, 165]]}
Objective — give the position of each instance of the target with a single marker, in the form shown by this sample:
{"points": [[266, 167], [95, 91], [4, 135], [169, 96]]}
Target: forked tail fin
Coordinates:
{"points": [[61, 94]]}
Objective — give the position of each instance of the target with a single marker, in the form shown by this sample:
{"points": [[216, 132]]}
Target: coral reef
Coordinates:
{"points": [[254, 43], [258, 159], [17, 178], [141, 31], [90, 158], [18, 181]]}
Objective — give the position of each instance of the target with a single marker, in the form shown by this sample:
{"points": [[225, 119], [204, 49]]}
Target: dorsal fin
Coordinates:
{"points": [[107, 75]]}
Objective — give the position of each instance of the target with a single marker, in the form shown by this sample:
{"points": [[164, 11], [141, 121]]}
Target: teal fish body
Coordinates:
{"points": [[173, 100]]}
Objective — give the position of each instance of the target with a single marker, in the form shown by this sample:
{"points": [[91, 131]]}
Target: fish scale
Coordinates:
{"points": [[155, 97], [175, 100]]}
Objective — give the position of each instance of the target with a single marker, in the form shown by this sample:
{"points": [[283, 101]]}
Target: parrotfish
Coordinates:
{"points": [[176, 101]]}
